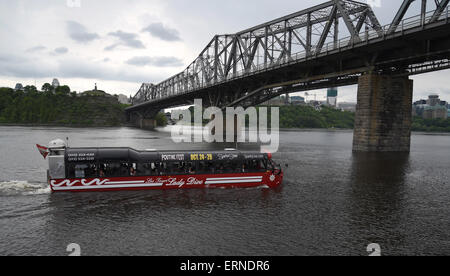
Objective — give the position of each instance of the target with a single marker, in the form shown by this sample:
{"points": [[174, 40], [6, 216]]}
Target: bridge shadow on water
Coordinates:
{"points": [[377, 198]]}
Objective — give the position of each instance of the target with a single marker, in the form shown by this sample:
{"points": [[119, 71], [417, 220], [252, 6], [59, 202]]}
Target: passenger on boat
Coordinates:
{"points": [[191, 170], [132, 172]]}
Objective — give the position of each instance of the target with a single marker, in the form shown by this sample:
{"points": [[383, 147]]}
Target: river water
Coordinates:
{"points": [[332, 202]]}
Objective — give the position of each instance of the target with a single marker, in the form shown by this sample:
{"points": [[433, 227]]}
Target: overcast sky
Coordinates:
{"points": [[119, 44]]}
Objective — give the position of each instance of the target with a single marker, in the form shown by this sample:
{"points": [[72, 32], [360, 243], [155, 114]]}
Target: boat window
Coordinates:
{"points": [[235, 167], [174, 168], [254, 166], [146, 169], [115, 169], [210, 168], [191, 168], [88, 170], [80, 171], [264, 164], [229, 167], [177, 168], [219, 168], [271, 165], [160, 168], [261, 165], [133, 169], [203, 168]]}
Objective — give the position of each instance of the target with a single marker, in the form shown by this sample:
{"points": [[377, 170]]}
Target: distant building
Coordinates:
{"points": [[55, 83], [347, 107], [332, 95], [435, 112], [286, 100], [296, 100], [278, 101], [421, 102], [419, 107], [123, 99], [19, 86], [433, 108], [433, 100]]}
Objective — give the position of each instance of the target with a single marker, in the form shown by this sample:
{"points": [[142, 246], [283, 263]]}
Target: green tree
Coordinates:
{"points": [[30, 89], [161, 119], [30, 107], [62, 90], [47, 87]]}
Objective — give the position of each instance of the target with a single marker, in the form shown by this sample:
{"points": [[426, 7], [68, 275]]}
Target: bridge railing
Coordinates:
{"points": [[366, 37]]}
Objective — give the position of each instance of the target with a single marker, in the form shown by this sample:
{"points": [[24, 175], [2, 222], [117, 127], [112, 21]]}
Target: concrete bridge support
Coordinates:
{"points": [[384, 114], [149, 124], [141, 121]]}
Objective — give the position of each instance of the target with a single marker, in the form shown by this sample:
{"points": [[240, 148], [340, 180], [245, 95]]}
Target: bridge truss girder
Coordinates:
{"points": [[440, 8], [253, 66], [302, 34]]}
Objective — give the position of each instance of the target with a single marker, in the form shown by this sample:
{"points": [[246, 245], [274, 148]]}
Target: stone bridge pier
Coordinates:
{"points": [[143, 120], [384, 114]]}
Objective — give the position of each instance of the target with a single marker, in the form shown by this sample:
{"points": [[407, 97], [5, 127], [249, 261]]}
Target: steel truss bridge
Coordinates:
{"points": [[329, 45]]}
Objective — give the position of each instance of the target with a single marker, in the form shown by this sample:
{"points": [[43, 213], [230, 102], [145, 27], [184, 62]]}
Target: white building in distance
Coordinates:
{"points": [[55, 83], [347, 106], [123, 99]]}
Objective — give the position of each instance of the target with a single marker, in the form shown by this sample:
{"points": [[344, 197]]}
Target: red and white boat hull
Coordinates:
{"points": [[268, 179]]}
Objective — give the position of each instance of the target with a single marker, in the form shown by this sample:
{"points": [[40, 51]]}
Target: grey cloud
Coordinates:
{"points": [[155, 61], [112, 47], [125, 39], [21, 67], [12, 59], [79, 33], [61, 50], [99, 70], [18, 67], [35, 49], [162, 32]]}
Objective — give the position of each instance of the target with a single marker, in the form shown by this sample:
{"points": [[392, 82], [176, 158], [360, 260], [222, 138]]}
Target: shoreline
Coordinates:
{"points": [[62, 125], [281, 129]]}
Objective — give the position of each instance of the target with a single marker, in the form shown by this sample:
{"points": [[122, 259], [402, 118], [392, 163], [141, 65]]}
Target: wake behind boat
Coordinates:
{"points": [[113, 169]]}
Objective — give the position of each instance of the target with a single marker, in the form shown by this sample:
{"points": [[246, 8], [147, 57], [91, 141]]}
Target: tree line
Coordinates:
{"points": [[59, 106], [308, 117], [327, 117]]}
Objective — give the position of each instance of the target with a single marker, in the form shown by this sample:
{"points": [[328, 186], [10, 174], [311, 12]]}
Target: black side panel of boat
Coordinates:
{"points": [[92, 155]]}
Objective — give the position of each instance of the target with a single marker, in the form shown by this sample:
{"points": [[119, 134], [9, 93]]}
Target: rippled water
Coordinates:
{"points": [[332, 202]]}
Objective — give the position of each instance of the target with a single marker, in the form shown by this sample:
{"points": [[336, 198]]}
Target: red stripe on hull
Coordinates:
{"points": [[247, 180]]}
